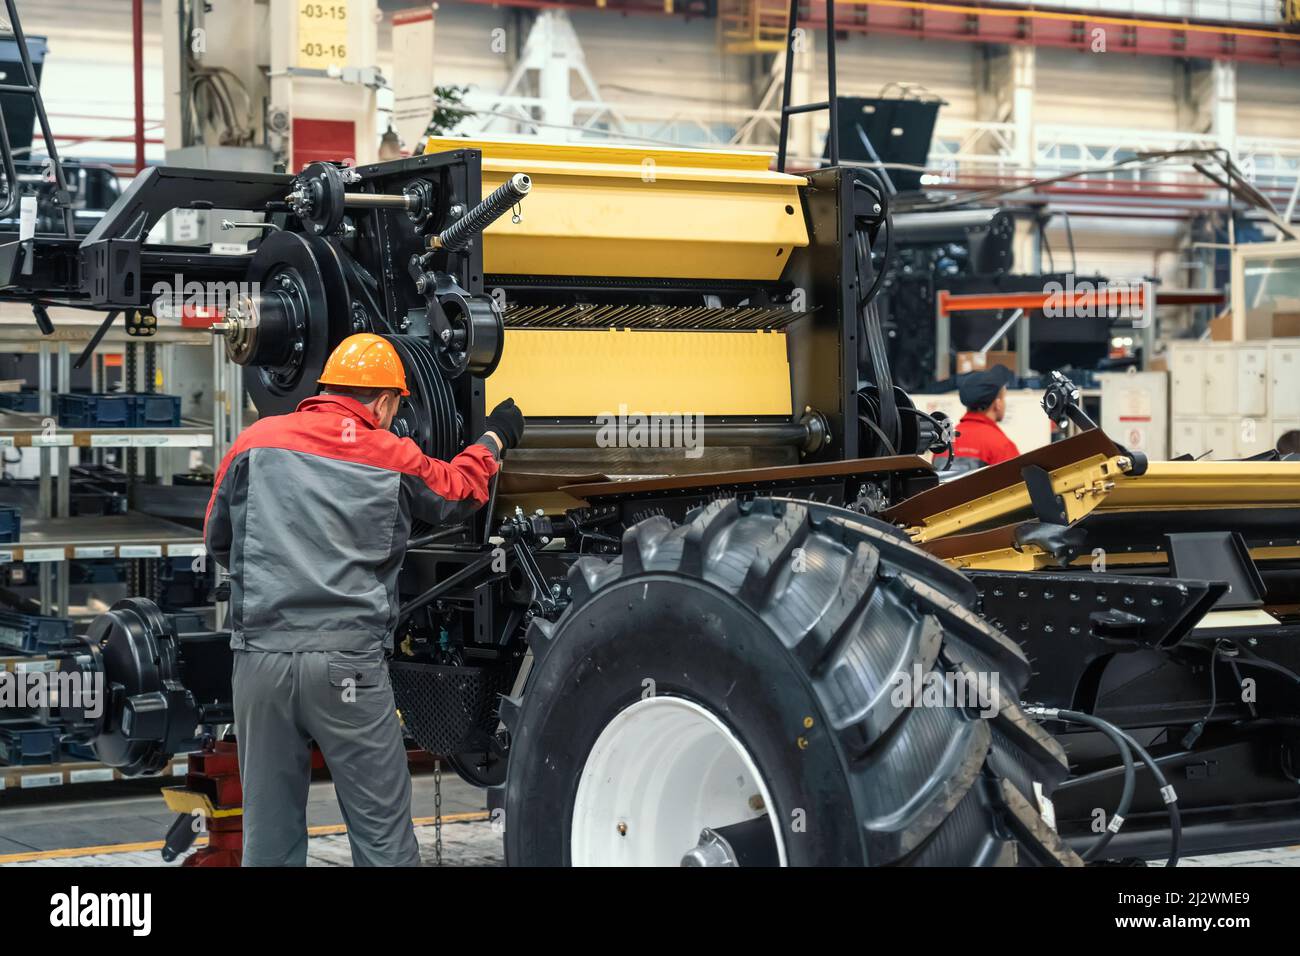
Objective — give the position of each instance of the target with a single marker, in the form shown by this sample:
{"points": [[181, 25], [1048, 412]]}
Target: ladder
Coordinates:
{"points": [[829, 104]]}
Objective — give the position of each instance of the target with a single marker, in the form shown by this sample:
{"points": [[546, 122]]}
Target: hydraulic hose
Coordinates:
{"points": [[1166, 793], [1117, 737]]}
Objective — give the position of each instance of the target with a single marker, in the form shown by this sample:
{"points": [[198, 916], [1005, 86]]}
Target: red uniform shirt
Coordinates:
{"points": [[981, 438]]}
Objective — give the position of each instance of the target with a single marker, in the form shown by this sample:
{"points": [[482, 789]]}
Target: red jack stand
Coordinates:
{"points": [[211, 802]]}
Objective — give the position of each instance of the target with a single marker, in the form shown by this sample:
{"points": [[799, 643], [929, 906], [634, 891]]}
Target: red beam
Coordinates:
{"points": [[976, 23], [137, 43]]}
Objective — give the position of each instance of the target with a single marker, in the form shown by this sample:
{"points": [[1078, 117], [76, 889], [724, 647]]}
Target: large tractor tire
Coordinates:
{"points": [[725, 693]]}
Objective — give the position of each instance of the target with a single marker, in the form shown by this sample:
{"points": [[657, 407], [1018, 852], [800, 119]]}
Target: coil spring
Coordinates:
{"points": [[460, 233]]}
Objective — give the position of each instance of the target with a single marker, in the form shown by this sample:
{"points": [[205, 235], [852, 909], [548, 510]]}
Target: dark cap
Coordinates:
{"points": [[978, 390]]}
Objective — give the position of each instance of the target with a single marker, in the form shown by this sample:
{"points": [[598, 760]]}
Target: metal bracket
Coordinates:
{"points": [[1048, 505]]}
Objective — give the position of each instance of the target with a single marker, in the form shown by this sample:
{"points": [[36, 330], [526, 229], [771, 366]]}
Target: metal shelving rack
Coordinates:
{"points": [[64, 773], [55, 535]]}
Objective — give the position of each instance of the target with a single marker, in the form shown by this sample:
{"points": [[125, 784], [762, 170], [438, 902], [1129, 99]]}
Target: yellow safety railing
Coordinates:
{"points": [[754, 26]]}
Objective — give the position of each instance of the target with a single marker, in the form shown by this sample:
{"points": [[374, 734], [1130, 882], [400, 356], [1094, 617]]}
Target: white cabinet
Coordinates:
{"points": [[1135, 411], [1221, 438], [1252, 381], [1187, 368], [1284, 380], [1226, 398], [1220, 380], [1254, 435], [1187, 437]]}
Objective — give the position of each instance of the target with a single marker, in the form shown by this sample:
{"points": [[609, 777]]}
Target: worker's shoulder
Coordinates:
{"points": [[270, 430], [333, 435], [258, 433]]}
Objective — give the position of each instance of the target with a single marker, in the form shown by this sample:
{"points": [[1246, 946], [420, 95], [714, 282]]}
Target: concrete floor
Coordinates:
{"points": [[41, 832], [46, 834]]}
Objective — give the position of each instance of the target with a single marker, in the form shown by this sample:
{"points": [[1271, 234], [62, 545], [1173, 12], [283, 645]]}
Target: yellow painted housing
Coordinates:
{"points": [[1185, 485], [630, 211], [584, 373]]}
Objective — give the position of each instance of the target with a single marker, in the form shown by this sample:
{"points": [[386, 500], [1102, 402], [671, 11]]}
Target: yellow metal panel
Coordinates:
{"points": [[1081, 486], [1032, 558], [640, 211], [1208, 484], [584, 373]]}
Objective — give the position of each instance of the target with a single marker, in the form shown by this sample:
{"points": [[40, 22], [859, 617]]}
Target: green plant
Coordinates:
{"points": [[445, 113]]}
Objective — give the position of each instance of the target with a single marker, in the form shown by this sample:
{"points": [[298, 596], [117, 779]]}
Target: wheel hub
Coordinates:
{"points": [[660, 774]]}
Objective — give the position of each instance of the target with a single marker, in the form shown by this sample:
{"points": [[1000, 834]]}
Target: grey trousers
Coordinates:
{"points": [[343, 700]]}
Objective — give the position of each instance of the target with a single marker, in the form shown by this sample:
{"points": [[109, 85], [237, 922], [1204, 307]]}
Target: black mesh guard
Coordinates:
{"points": [[448, 710]]}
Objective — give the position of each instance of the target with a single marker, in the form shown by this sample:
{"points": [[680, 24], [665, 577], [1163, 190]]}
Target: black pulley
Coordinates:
{"points": [[478, 338], [467, 330], [915, 434], [428, 415], [292, 311], [318, 197]]}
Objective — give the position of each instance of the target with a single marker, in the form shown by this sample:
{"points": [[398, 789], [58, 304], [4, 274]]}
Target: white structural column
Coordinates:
{"points": [[323, 69], [1207, 101], [1223, 104], [1007, 96], [1004, 95], [1022, 61]]}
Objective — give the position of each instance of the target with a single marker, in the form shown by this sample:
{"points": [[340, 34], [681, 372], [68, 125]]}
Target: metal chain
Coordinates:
{"points": [[437, 811]]}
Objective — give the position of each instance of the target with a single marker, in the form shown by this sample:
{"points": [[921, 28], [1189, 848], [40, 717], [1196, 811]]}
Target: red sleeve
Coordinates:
{"points": [[465, 477]]}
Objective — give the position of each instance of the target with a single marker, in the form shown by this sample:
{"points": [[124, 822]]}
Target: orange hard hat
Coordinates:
{"points": [[365, 360]]}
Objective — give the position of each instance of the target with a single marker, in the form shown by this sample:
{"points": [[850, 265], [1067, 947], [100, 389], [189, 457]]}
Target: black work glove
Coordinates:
{"points": [[507, 421]]}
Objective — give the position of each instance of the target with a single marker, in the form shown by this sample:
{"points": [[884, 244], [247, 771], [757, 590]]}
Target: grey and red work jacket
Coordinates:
{"points": [[311, 511]]}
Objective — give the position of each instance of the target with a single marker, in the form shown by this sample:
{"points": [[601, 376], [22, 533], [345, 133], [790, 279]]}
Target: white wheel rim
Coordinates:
{"points": [[660, 772]]}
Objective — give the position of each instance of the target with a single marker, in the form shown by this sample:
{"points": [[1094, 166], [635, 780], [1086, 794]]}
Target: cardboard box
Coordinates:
{"points": [[1286, 325], [979, 361]]}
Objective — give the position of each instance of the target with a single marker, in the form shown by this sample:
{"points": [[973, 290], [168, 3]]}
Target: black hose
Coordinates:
{"points": [[1198, 728], [1272, 666], [868, 318], [1117, 737], [1194, 732], [1166, 793], [428, 539]]}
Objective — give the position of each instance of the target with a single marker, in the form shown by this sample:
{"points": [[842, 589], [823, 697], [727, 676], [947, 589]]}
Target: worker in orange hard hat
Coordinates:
{"points": [[311, 513], [365, 360]]}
